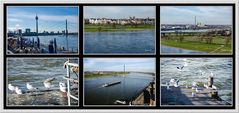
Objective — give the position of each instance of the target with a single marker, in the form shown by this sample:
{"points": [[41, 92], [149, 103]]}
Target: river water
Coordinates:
{"points": [[187, 31], [120, 42], [174, 50], [35, 71], [130, 85], [198, 70], [61, 41]]}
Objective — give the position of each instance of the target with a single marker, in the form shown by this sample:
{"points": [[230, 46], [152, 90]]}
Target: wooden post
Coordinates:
{"points": [[210, 81], [38, 43], [21, 42], [55, 46], [50, 47], [33, 42]]}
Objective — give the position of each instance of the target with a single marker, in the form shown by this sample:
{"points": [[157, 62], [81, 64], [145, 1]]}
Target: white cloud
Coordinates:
{"points": [[42, 17], [119, 11], [205, 14], [14, 20], [116, 64]]}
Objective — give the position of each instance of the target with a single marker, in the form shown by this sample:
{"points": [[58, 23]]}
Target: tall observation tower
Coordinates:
{"points": [[36, 24]]}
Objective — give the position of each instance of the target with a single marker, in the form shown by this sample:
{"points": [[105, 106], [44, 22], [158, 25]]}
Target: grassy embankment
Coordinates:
{"points": [[198, 43], [116, 28], [92, 75]]}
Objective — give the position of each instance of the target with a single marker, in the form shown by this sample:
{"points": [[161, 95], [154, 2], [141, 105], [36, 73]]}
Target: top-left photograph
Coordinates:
{"points": [[42, 29]]}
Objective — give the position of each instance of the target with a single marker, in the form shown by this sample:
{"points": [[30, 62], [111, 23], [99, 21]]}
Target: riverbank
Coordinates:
{"points": [[116, 28], [191, 43], [93, 75]]}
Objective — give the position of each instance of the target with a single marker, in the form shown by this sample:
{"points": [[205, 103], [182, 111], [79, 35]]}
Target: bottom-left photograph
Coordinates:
{"points": [[42, 82]]}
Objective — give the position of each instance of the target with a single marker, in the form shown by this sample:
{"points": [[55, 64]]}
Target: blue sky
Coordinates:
{"points": [[119, 11], [116, 64], [205, 14], [51, 18]]}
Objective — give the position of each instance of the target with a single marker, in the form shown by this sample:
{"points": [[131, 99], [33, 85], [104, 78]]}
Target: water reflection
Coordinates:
{"points": [[168, 49], [61, 41], [120, 42], [130, 85]]}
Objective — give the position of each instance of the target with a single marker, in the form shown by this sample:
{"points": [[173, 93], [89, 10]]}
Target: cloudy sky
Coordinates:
{"points": [[50, 18], [205, 14], [119, 11], [116, 64]]}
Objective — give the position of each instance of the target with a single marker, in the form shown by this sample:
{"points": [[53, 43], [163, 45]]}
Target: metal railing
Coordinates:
{"points": [[69, 79]]}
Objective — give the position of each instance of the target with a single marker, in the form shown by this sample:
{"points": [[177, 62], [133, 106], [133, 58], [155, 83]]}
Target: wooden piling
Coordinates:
{"points": [[21, 42], [38, 43], [50, 47], [55, 46], [210, 81], [33, 42]]}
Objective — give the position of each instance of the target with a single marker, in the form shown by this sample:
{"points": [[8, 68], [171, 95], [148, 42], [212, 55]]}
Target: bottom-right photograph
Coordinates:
{"points": [[196, 81]]}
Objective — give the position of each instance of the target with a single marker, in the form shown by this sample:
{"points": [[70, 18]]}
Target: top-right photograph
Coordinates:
{"points": [[196, 30]]}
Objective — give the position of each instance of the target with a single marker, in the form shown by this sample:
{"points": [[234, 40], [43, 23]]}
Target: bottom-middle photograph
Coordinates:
{"points": [[119, 81]]}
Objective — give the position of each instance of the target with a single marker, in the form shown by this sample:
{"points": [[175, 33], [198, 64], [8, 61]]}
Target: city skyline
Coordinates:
{"points": [[119, 12], [116, 64], [50, 18], [210, 15]]}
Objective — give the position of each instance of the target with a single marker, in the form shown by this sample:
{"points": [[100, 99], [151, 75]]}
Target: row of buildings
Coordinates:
{"points": [[165, 27], [125, 21], [28, 32]]}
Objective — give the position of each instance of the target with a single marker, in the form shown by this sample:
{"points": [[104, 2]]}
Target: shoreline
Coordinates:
{"points": [[92, 75], [117, 28]]}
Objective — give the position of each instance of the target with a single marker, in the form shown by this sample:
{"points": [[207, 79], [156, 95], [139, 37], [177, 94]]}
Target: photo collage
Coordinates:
{"points": [[119, 56]]}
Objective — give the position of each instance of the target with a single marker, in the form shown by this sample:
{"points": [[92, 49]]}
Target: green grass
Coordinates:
{"points": [[92, 75], [192, 43], [116, 28]]}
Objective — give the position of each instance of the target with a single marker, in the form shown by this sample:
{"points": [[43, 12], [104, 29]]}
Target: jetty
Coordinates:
{"points": [[146, 96], [184, 95]]}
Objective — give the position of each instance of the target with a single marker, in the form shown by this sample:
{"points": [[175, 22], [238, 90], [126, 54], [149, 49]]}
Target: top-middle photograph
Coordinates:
{"points": [[119, 29]]}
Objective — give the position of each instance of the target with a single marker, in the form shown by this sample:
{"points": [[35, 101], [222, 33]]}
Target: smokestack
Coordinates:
{"points": [[195, 22]]}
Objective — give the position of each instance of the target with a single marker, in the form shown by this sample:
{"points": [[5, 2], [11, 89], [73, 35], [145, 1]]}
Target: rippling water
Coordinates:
{"points": [[120, 42], [130, 85], [60, 39], [23, 70], [173, 50], [220, 67]]}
